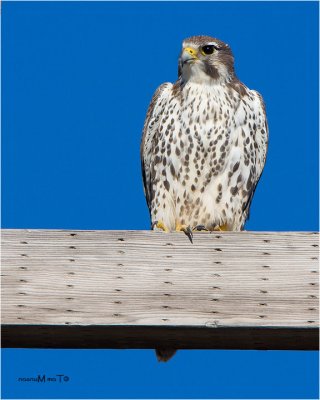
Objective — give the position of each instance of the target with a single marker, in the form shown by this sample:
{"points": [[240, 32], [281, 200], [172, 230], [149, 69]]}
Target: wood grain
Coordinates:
{"points": [[138, 289]]}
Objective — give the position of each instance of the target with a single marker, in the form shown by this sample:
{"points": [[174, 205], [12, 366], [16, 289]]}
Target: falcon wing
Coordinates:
{"points": [[261, 136], [150, 135]]}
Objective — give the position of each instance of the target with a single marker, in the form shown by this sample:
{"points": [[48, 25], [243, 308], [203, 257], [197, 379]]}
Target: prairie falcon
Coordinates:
{"points": [[204, 144]]}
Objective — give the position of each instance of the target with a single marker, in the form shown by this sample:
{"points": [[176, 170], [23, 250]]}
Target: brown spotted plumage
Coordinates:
{"points": [[204, 143]]}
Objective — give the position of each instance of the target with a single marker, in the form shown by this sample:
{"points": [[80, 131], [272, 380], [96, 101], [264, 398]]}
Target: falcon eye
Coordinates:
{"points": [[209, 49]]}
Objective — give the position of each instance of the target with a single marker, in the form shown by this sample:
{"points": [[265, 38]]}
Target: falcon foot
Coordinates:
{"points": [[186, 229], [222, 228], [160, 225], [200, 228]]}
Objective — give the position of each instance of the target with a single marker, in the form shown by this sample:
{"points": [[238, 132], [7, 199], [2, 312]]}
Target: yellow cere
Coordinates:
{"points": [[191, 51]]}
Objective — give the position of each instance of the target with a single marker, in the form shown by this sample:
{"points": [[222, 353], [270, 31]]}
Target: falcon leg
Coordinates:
{"points": [[160, 225], [186, 229]]}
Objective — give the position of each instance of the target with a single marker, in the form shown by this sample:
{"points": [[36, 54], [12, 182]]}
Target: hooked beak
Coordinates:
{"points": [[188, 55]]}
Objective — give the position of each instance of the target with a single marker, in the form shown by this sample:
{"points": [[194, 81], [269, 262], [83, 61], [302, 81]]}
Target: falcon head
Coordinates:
{"points": [[204, 59]]}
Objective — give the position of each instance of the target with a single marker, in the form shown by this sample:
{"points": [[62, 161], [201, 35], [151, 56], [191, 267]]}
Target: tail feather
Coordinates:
{"points": [[165, 354]]}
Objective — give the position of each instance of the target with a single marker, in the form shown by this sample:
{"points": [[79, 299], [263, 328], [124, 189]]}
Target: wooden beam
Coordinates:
{"points": [[142, 289]]}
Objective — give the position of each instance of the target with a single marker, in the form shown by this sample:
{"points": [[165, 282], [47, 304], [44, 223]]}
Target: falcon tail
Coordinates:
{"points": [[165, 354]]}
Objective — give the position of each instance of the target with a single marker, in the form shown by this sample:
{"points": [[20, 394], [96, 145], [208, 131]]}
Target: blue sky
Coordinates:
{"points": [[76, 82]]}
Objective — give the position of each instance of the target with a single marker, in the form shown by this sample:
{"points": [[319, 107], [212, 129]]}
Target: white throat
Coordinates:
{"points": [[194, 73]]}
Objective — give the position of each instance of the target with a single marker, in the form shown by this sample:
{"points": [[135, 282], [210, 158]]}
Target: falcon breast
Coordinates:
{"points": [[204, 143]]}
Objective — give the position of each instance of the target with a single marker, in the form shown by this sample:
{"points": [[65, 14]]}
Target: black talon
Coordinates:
{"points": [[188, 232], [200, 228], [154, 224]]}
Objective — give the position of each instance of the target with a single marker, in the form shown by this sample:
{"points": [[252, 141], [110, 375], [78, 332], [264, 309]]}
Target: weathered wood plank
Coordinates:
{"points": [[140, 289]]}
